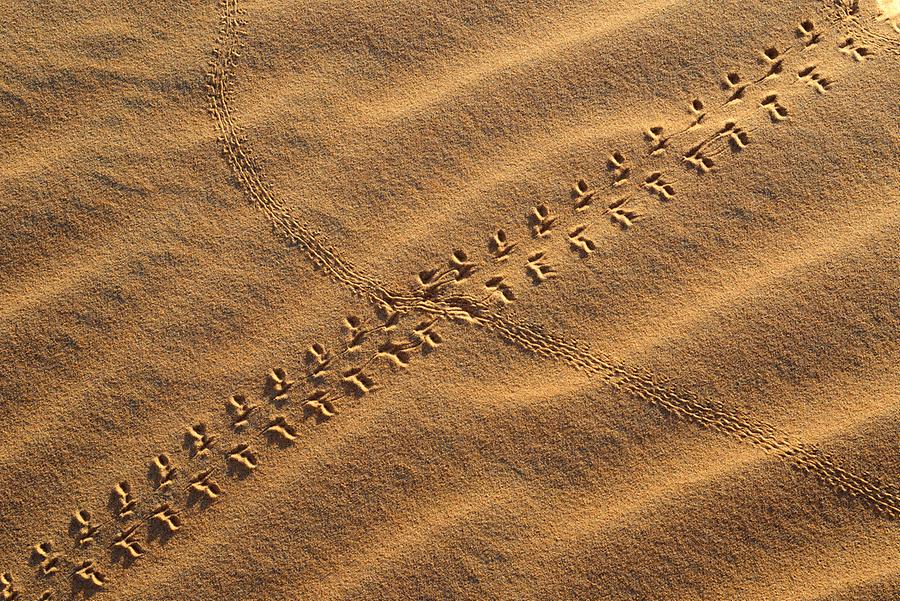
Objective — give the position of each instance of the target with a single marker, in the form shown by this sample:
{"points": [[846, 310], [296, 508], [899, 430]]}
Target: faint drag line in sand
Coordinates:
{"points": [[554, 39], [706, 413], [588, 531], [449, 511], [586, 513], [258, 500], [113, 363], [813, 578], [641, 384], [863, 588], [433, 511], [140, 507]]}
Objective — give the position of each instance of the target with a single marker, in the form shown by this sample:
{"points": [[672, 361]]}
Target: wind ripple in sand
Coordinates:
{"points": [[583, 475]]}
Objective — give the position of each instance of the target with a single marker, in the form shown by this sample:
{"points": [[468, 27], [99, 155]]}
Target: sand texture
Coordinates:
{"points": [[457, 299]]}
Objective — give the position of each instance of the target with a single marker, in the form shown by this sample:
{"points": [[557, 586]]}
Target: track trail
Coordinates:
{"points": [[220, 452], [465, 308]]}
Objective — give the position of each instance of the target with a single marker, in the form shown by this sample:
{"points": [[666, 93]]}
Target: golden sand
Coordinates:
{"points": [[346, 299]]}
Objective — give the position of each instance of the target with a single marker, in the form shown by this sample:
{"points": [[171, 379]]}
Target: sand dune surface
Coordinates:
{"points": [[515, 300]]}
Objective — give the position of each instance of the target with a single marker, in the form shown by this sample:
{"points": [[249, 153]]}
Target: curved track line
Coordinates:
{"points": [[643, 385]]}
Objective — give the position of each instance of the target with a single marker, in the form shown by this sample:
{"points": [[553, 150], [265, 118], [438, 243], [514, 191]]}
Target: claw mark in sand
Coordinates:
{"points": [[542, 221], [279, 384], [166, 517], [617, 164], [538, 267], [321, 404], [581, 243], [811, 77], [7, 589], [807, 32], [776, 111], [657, 185], [202, 485], [621, 214], [854, 50], [584, 195], [198, 441], [122, 497], [242, 458], [500, 246], [279, 429]]}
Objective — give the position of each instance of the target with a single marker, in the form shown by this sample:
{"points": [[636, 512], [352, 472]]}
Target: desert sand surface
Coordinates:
{"points": [[450, 299]]}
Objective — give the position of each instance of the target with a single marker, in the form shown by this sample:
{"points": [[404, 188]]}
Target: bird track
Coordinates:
{"points": [[215, 462]]}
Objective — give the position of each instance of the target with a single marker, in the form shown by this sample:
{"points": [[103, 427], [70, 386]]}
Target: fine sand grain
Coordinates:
{"points": [[408, 299]]}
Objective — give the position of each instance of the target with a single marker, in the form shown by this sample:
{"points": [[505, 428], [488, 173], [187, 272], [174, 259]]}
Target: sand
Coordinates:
{"points": [[346, 299]]}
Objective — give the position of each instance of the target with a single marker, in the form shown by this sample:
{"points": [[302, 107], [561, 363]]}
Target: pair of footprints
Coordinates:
{"points": [[537, 265], [319, 403], [85, 530], [730, 136], [399, 353], [542, 222], [849, 46], [322, 361], [201, 442], [458, 269], [618, 210], [242, 409], [733, 136], [86, 574], [806, 31], [8, 591], [357, 379]]}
